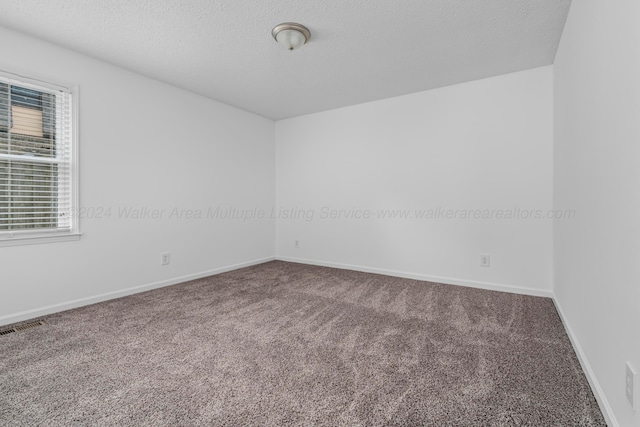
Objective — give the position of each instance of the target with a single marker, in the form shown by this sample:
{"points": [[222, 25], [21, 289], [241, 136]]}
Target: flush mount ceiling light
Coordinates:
{"points": [[291, 35]]}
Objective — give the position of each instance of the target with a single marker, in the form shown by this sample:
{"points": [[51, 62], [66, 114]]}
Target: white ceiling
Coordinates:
{"points": [[360, 50]]}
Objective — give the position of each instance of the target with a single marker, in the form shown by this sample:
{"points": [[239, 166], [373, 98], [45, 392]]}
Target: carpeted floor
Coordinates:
{"points": [[289, 344]]}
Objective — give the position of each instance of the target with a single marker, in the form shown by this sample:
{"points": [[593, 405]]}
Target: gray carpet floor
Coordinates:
{"points": [[290, 344]]}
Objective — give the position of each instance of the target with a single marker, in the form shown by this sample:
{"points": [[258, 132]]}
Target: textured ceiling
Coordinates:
{"points": [[360, 50]]}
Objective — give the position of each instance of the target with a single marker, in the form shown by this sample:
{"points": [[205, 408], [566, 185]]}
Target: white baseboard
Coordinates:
{"points": [[417, 276], [601, 398], [43, 311]]}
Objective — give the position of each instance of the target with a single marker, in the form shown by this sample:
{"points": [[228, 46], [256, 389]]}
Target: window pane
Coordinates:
{"points": [[28, 195], [27, 122]]}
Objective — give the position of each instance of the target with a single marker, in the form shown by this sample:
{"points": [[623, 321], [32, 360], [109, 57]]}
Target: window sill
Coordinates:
{"points": [[37, 239]]}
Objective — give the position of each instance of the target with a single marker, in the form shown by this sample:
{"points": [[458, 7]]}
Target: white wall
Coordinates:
{"points": [[597, 173], [484, 145], [142, 144]]}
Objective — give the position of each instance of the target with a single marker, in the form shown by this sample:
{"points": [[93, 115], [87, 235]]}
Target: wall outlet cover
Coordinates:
{"points": [[631, 385], [485, 260], [165, 258]]}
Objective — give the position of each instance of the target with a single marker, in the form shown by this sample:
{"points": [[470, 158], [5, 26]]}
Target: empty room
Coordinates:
{"points": [[336, 213]]}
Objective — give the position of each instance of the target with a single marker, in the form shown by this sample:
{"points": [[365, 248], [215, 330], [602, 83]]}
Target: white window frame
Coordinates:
{"points": [[30, 237]]}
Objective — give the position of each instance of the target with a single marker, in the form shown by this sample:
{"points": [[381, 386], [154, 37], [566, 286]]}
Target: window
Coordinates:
{"points": [[38, 168]]}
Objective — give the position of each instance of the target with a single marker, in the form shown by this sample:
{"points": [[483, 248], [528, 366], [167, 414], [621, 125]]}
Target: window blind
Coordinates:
{"points": [[36, 143]]}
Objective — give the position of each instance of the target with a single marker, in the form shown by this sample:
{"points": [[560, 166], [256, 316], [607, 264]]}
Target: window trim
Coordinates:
{"points": [[19, 237]]}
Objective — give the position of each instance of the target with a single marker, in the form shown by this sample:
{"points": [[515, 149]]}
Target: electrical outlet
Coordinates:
{"points": [[632, 379], [485, 260], [165, 258], [296, 244]]}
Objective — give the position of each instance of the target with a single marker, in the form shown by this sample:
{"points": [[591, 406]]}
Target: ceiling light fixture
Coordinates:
{"points": [[291, 35]]}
